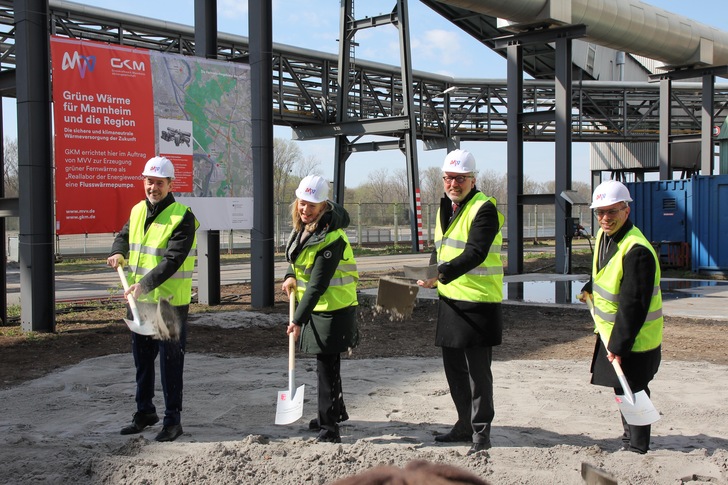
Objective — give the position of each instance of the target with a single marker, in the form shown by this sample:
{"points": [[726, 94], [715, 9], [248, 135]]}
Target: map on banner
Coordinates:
{"points": [[212, 100]]}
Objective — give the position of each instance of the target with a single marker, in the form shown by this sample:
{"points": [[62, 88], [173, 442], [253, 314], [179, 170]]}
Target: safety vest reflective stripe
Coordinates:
{"points": [[612, 317], [615, 298], [342, 267], [144, 271], [155, 251], [456, 244]]}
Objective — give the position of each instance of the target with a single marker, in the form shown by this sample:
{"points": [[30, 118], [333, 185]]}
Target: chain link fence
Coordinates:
{"points": [[371, 225]]}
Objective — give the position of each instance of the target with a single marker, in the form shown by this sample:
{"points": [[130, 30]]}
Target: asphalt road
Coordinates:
{"points": [[102, 281]]}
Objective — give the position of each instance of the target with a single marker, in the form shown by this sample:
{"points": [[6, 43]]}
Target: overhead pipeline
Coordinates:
{"points": [[626, 25]]}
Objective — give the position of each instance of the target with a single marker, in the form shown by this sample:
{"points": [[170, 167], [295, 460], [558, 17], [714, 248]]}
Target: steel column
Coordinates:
{"points": [[706, 126], [562, 165], [208, 260], [261, 76], [665, 132], [35, 167], [410, 135], [515, 159]]}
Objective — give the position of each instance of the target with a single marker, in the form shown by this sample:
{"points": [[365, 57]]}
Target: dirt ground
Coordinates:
{"points": [[531, 333]]}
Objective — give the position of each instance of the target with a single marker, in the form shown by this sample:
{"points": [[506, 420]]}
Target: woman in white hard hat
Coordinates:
{"points": [[323, 275], [625, 286]]}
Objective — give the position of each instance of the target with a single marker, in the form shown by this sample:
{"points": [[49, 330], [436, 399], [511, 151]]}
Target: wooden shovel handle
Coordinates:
{"points": [[291, 336], [617, 368]]}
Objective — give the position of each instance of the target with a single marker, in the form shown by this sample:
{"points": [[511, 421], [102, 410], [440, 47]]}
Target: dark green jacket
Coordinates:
{"points": [[323, 332]]}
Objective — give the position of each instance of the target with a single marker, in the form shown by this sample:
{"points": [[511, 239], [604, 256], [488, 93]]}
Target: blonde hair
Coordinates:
{"points": [[298, 224]]}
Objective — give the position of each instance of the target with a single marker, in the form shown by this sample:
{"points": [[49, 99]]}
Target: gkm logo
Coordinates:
{"points": [[77, 61], [128, 64]]}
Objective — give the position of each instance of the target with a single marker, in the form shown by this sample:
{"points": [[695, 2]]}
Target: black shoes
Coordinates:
{"points": [[169, 433], [314, 425], [454, 437], [326, 436], [478, 447], [140, 421]]}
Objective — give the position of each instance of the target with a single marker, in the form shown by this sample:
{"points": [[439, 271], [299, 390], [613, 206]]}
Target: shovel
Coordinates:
{"points": [[420, 272], [136, 325], [290, 401], [637, 409]]}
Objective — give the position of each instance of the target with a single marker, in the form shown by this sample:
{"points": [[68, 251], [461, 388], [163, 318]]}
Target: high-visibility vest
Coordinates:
{"points": [[606, 285], [484, 283], [341, 292], [146, 250]]}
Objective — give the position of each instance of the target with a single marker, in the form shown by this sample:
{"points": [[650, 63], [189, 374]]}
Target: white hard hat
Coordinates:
{"points": [[313, 188], [159, 167], [608, 193], [459, 161]]}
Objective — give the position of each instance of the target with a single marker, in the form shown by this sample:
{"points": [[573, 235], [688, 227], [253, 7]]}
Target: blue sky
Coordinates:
{"points": [[437, 46]]}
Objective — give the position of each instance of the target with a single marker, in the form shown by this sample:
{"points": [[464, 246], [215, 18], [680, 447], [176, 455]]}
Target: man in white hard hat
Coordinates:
{"points": [[625, 287], [158, 244], [470, 286]]}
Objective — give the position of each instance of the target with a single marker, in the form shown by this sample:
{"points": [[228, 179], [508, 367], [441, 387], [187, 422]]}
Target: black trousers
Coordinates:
{"points": [[330, 395], [171, 366], [470, 380]]}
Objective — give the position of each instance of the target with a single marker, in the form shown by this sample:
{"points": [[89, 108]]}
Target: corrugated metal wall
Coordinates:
{"points": [[612, 156]]}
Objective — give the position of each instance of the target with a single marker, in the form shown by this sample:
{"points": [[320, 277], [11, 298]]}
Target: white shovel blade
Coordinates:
{"points": [[147, 330], [289, 409], [641, 413]]}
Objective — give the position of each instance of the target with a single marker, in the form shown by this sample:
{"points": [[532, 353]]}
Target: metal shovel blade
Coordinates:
{"points": [[641, 413], [289, 407], [140, 328], [637, 408], [420, 272], [136, 325]]}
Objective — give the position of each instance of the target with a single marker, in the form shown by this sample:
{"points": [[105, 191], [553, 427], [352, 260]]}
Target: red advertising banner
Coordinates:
{"points": [[103, 113]]}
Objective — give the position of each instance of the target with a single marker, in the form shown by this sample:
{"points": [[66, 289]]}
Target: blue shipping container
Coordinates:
{"points": [[710, 206]]}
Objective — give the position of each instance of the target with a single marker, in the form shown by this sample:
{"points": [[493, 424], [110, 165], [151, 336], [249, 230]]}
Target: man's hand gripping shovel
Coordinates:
{"points": [[136, 325], [637, 408]]}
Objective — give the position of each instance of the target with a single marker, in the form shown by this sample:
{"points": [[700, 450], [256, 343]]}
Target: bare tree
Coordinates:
{"points": [[431, 186], [10, 154], [289, 167], [492, 184]]}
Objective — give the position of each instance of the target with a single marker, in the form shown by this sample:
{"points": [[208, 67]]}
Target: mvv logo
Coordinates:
{"points": [[82, 63]]}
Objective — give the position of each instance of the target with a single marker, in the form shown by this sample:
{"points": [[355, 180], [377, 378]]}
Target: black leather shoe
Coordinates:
{"points": [[169, 433], [326, 436], [314, 425], [140, 421], [478, 447], [453, 437]]}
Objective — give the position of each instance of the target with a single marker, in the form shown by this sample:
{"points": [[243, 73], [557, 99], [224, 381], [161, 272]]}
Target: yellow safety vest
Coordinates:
{"points": [[606, 284], [341, 292], [484, 283], [146, 250]]}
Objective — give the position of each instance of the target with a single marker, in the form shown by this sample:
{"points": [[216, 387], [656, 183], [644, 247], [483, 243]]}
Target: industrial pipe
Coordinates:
{"points": [[629, 25]]}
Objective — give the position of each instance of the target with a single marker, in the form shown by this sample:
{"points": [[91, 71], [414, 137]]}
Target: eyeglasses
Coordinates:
{"points": [[459, 179], [610, 212]]}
